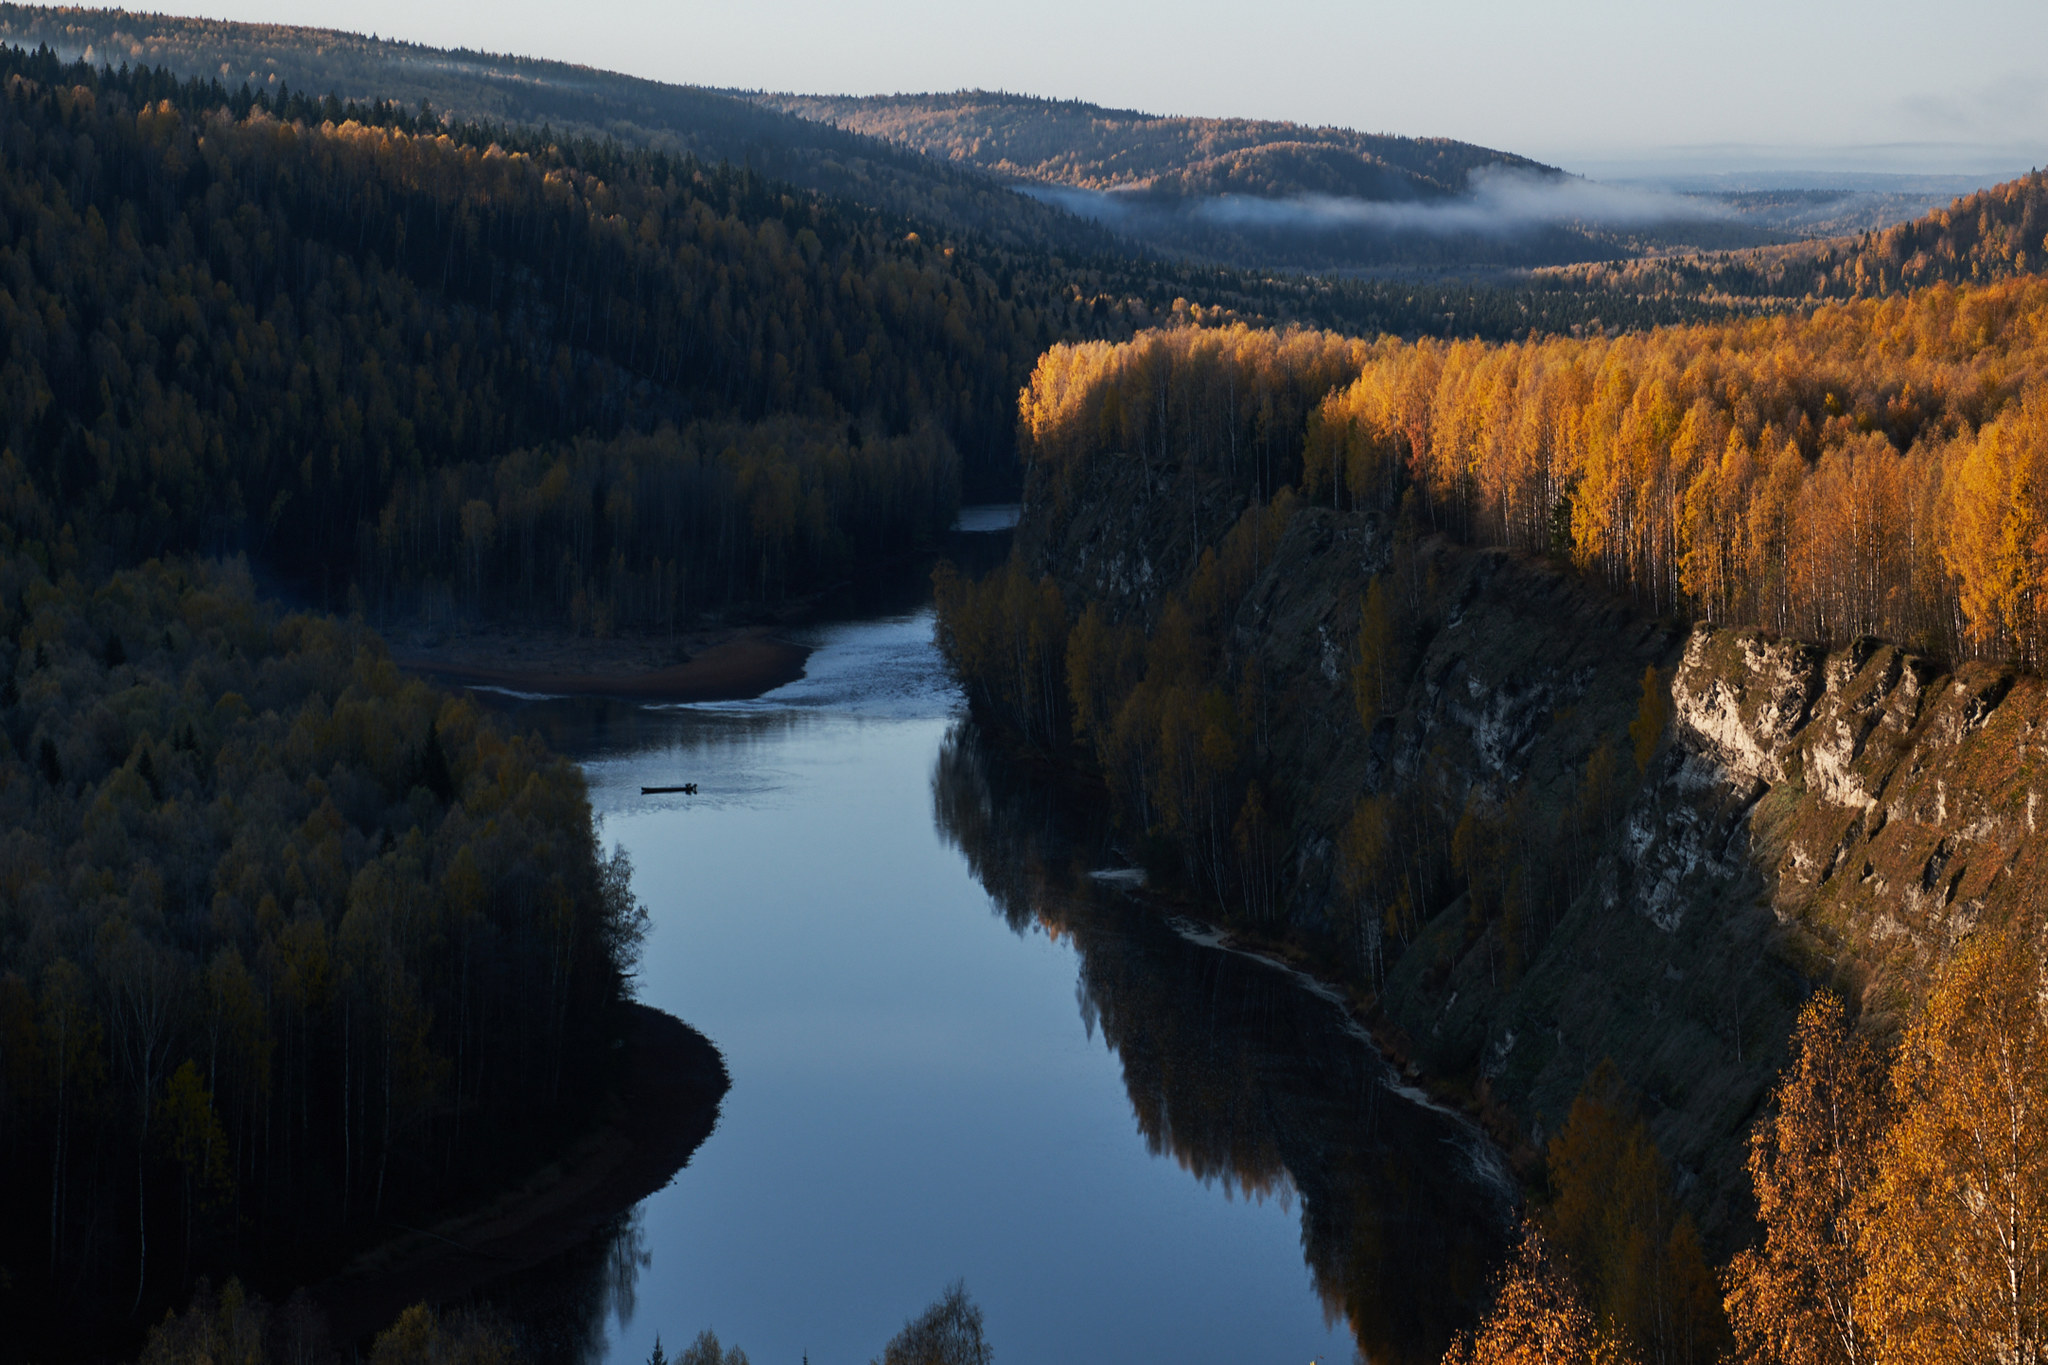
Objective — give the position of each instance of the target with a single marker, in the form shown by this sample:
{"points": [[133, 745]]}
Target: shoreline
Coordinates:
{"points": [[667, 1105], [1362, 1010], [1081, 790], [729, 664]]}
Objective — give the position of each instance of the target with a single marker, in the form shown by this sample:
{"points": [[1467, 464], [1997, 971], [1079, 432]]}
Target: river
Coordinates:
{"points": [[956, 1054]]}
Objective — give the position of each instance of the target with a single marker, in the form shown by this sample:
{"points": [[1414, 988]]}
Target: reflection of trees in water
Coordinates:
{"points": [[1007, 846], [598, 728], [1244, 1078], [560, 1308]]}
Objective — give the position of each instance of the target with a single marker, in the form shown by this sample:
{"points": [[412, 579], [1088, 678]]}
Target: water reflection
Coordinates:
{"points": [[561, 1309], [1245, 1078]]}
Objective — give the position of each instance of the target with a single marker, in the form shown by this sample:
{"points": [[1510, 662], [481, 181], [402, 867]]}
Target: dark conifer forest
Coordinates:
{"points": [[289, 943]]}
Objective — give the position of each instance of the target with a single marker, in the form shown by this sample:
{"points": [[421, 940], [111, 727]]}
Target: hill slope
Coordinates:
{"points": [[1268, 193], [1068, 142], [1993, 234], [572, 100]]}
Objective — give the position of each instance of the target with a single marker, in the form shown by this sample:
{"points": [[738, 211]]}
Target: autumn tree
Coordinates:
{"points": [[1376, 906], [1632, 1249], [1653, 714], [1537, 1317], [1795, 1300], [1998, 548], [949, 1332], [1957, 1253], [1377, 663]]}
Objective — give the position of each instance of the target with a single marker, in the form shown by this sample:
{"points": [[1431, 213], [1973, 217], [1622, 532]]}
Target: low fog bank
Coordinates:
{"points": [[1500, 202]]}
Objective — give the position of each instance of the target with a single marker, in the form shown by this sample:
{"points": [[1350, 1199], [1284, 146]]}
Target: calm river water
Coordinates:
{"points": [[955, 1054]]}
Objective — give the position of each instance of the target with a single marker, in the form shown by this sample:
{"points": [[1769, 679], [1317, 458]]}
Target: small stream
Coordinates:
{"points": [[955, 1053]]}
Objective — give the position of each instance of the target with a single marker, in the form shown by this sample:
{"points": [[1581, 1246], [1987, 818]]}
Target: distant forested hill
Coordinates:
{"points": [[1070, 142], [1993, 234], [1263, 193], [574, 101]]}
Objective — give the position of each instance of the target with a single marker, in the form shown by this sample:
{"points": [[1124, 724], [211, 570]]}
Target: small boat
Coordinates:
{"points": [[687, 789]]}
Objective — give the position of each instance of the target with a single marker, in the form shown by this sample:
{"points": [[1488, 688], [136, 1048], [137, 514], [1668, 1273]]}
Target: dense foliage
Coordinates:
{"points": [[1990, 235], [1866, 468], [223, 330], [238, 1326], [642, 530], [289, 943], [1905, 1218]]}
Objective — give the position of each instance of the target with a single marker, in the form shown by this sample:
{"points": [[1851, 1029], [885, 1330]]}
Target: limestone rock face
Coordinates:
{"points": [[1741, 698], [1907, 798]]}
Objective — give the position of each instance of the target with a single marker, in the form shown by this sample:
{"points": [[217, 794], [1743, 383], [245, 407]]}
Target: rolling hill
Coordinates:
{"points": [[1068, 142], [574, 101], [1266, 193]]}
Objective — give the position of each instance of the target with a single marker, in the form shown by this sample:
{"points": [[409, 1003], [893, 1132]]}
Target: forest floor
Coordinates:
{"points": [[727, 664], [665, 1108]]}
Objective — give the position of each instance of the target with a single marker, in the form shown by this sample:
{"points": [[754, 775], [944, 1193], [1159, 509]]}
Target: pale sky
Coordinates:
{"points": [[1591, 84]]}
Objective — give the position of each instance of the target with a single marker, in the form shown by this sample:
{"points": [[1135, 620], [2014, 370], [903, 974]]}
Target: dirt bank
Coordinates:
{"points": [[722, 665], [667, 1106]]}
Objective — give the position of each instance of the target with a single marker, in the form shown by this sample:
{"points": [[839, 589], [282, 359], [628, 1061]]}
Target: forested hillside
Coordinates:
{"points": [[1866, 468], [358, 345], [1070, 142], [1263, 194], [1871, 468], [290, 945], [1991, 235], [574, 101], [237, 325]]}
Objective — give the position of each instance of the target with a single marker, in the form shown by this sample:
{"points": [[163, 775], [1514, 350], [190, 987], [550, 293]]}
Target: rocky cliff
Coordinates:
{"points": [[1801, 817]]}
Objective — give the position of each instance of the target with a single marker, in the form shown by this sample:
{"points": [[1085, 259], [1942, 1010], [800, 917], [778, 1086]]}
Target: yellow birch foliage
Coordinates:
{"points": [[1537, 1318], [1653, 714], [1879, 466], [1957, 1257], [1998, 541], [1793, 1300]]}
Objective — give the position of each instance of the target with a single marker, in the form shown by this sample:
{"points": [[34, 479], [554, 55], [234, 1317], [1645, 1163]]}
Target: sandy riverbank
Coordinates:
{"points": [[666, 1107], [728, 664]]}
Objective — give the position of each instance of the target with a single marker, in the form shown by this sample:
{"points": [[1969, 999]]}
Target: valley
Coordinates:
{"points": [[645, 720]]}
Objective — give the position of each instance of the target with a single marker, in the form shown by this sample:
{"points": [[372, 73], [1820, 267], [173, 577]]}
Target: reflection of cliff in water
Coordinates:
{"points": [[558, 1309], [1246, 1078]]}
